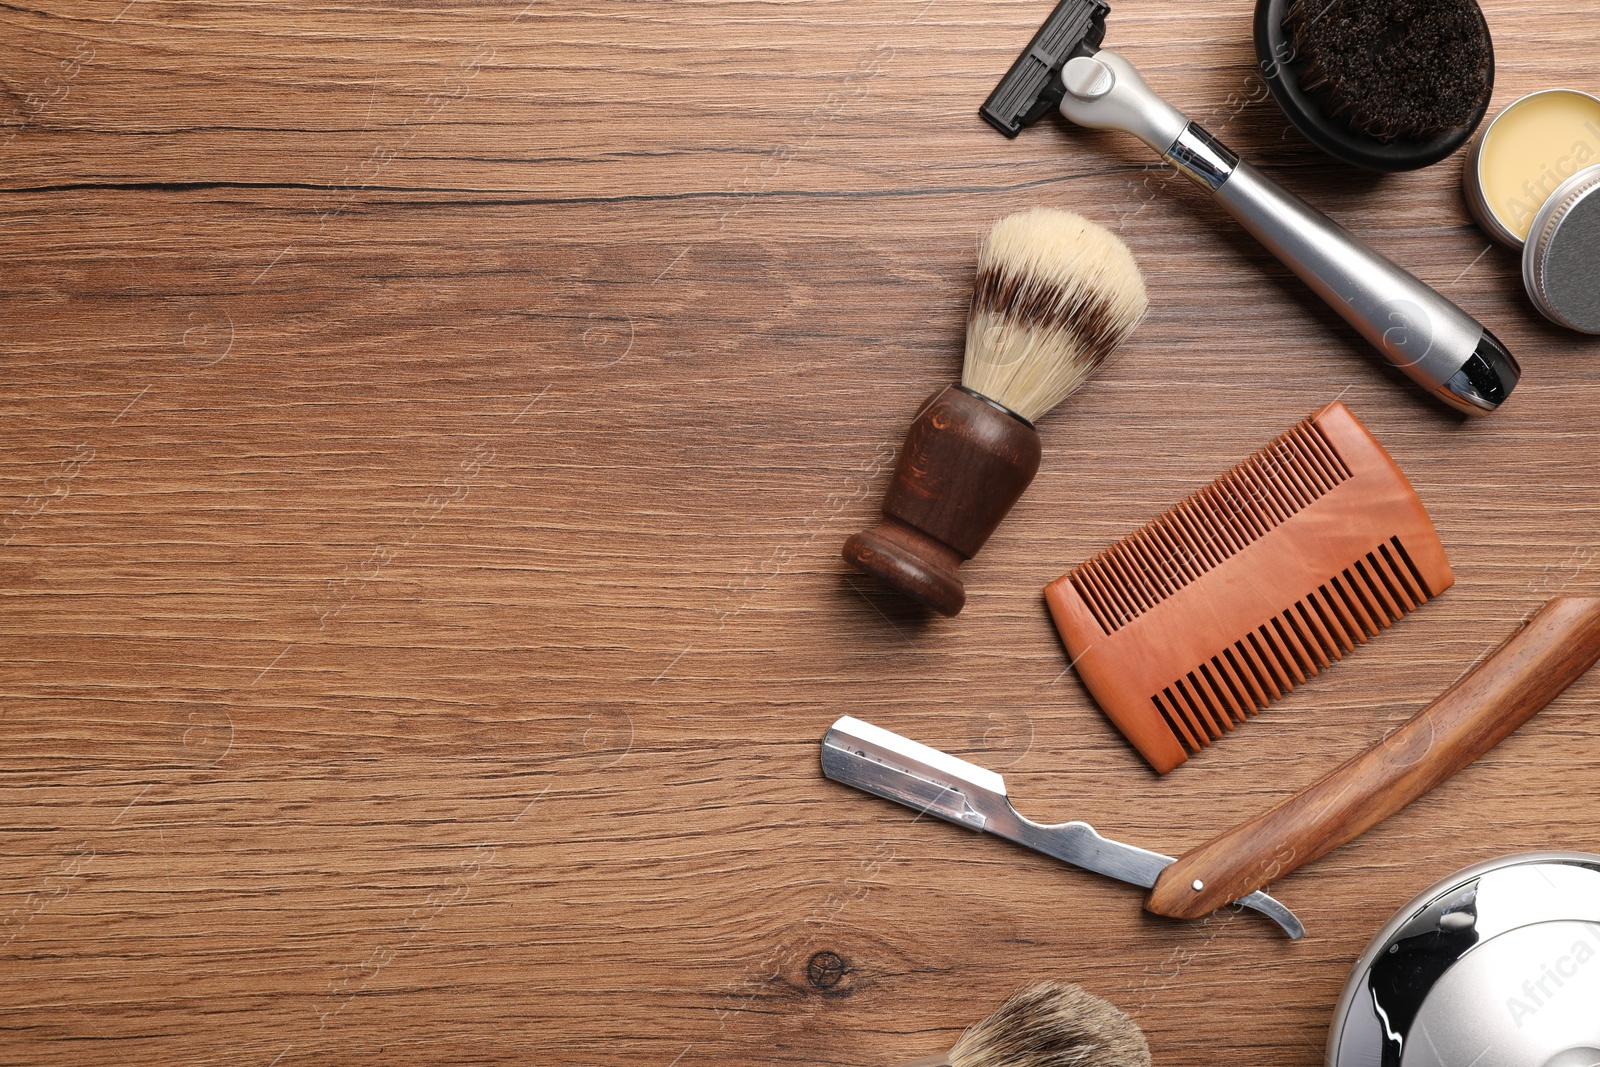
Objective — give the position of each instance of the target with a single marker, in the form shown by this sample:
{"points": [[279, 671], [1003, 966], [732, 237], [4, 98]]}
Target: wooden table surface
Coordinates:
{"points": [[429, 435]]}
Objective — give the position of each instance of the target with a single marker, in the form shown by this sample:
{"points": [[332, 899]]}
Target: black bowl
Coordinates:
{"points": [[1279, 69]]}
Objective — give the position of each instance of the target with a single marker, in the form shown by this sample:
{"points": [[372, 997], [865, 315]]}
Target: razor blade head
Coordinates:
{"points": [[1032, 87], [897, 768]]}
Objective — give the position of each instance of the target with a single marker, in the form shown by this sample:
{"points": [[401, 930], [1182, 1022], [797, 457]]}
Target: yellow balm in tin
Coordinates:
{"points": [[1526, 154], [1533, 182]]}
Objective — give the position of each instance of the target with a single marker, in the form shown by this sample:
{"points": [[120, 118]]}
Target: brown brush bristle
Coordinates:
{"points": [[1056, 294], [1394, 70], [1052, 1024]]}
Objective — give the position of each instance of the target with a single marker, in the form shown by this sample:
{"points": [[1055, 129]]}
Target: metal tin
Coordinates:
{"points": [[1497, 966], [1472, 174], [1561, 263]]}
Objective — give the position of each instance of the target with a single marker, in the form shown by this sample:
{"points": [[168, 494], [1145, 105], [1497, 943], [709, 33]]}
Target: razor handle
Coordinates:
{"points": [[965, 463], [1512, 684], [1412, 326]]}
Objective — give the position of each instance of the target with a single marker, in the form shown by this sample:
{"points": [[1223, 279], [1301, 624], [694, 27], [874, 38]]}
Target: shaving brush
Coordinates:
{"points": [[1055, 296], [1049, 1025]]}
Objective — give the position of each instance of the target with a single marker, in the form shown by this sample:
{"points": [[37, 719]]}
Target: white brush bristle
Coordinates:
{"points": [[1056, 294], [1052, 1024]]}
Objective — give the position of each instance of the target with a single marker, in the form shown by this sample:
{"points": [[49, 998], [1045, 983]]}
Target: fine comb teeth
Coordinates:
{"points": [[1272, 572]]}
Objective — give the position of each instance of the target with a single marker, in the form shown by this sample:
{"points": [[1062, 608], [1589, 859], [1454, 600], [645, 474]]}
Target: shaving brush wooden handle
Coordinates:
{"points": [[1054, 296], [965, 463]]}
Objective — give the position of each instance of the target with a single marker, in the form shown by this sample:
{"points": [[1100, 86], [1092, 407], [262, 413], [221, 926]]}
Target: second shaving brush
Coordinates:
{"points": [[1049, 1024], [1055, 296]]}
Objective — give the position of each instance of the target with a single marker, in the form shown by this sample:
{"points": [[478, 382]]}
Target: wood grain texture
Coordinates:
{"points": [[430, 431]]}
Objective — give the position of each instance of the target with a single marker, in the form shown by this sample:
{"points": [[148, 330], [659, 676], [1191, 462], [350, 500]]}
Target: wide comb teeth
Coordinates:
{"points": [[1368, 596], [1244, 590]]}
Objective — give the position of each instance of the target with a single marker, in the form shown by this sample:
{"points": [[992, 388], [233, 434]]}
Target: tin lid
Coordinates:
{"points": [[1561, 263]]}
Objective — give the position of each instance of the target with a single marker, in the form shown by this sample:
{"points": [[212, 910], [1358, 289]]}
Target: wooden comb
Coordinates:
{"points": [[1249, 587]]}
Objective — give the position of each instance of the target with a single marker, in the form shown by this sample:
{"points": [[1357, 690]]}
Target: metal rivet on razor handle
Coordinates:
{"points": [[1557, 647], [935, 783]]}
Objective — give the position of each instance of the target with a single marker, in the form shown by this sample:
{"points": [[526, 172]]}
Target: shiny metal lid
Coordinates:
{"points": [[1497, 966], [1561, 262]]}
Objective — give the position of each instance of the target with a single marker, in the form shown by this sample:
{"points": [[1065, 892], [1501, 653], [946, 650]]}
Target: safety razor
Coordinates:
{"points": [[1412, 326]]}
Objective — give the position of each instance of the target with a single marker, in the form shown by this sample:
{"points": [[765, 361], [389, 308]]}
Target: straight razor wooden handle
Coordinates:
{"points": [[1508, 688]]}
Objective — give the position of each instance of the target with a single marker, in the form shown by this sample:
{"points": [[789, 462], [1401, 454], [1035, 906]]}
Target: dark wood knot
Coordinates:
{"points": [[824, 970]]}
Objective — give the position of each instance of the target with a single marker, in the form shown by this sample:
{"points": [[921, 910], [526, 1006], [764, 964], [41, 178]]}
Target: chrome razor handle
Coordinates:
{"points": [[1412, 326]]}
